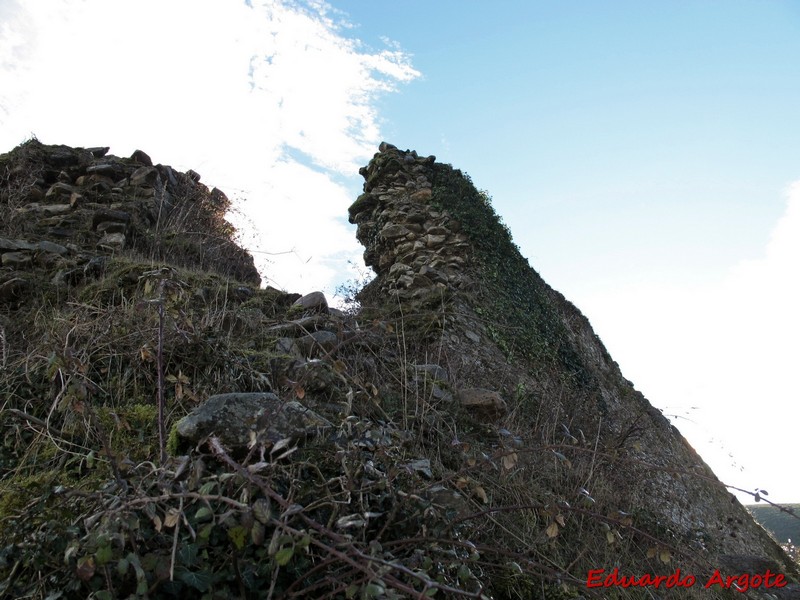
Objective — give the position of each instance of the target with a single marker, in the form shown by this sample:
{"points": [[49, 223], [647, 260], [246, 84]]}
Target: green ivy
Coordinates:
{"points": [[528, 324]]}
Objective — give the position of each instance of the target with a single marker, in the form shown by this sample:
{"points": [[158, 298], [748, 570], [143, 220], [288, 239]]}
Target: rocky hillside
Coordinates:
{"points": [[170, 429]]}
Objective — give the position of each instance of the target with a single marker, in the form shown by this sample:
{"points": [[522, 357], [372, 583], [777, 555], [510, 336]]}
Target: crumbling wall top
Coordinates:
{"points": [[415, 247]]}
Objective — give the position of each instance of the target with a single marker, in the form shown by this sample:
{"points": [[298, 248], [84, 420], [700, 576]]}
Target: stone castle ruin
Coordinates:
{"points": [[463, 433]]}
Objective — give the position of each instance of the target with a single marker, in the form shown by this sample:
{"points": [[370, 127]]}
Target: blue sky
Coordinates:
{"points": [[643, 154], [653, 115]]}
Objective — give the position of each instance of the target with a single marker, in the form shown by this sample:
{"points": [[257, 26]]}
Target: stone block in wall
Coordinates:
{"points": [[423, 195], [112, 241], [144, 177], [391, 231], [16, 260]]}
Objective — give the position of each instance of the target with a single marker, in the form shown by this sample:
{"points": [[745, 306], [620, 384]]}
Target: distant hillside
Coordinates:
{"points": [[783, 525]]}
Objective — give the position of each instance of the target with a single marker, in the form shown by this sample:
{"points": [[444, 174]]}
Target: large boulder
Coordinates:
{"points": [[487, 404], [237, 419]]}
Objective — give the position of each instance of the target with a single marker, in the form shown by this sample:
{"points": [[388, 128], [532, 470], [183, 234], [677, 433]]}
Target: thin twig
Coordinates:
{"points": [[175, 541]]}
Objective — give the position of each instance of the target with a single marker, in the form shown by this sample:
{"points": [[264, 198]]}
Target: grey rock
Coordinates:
{"points": [[486, 403], [115, 216], [168, 173], [239, 418], [317, 343], [112, 241], [287, 345], [313, 302], [434, 240], [431, 376], [399, 268], [438, 230], [50, 210], [107, 169], [7, 245], [111, 227], [141, 157], [52, 248], [432, 274], [144, 177], [98, 151], [16, 260], [59, 189], [218, 198], [449, 499], [145, 192], [392, 231], [472, 336], [422, 466], [61, 232], [62, 156]]}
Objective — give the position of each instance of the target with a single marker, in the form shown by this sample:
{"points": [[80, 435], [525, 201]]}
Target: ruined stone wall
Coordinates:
{"points": [[429, 234], [417, 250], [68, 207]]}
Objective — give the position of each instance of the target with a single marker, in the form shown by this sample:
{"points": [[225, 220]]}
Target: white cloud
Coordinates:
{"points": [[273, 103], [723, 356], [320, 230]]}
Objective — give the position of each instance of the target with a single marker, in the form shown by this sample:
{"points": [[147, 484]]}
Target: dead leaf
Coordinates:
{"points": [[257, 533], [561, 520], [610, 537], [86, 568], [299, 392], [280, 445], [552, 530], [563, 459], [510, 461], [481, 493], [262, 510], [665, 557], [172, 517]]}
